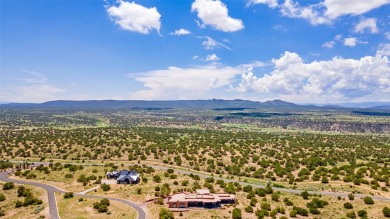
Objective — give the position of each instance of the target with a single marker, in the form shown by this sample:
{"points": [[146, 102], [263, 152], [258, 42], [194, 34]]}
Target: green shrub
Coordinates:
{"points": [[288, 202], [2, 213], [105, 202], [301, 211], [348, 205], [261, 213], [166, 214], [30, 200], [351, 196], [266, 206], [386, 212], [249, 209], [23, 192], [159, 201], [8, 186], [317, 203], [275, 197], [236, 214], [351, 214], [247, 188], [363, 214], [101, 206], [68, 195], [157, 178], [305, 195], [2, 197], [314, 211], [268, 189], [368, 200], [18, 204], [293, 213], [105, 187]]}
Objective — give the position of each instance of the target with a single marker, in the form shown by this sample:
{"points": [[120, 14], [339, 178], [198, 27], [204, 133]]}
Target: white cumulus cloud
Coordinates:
{"points": [[330, 80], [180, 32], [337, 8], [215, 14], [368, 24], [350, 41], [134, 17], [212, 57], [353, 41]]}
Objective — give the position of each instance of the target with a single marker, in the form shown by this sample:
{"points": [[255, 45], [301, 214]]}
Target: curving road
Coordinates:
{"points": [[53, 210]]}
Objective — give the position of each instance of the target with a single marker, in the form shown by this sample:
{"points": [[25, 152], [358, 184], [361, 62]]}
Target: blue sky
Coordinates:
{"points": [[324, 51]]}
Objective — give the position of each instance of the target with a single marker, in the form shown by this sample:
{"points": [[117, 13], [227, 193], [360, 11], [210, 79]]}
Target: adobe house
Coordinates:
{"points": [[201, 199]]}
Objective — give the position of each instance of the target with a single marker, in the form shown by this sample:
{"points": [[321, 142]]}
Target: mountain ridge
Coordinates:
{"points": [[169, 104]]}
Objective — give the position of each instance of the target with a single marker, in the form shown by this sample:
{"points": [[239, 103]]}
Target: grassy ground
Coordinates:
{"points": [[57, 178], [335, 208], [73, 208], [24, 212]]}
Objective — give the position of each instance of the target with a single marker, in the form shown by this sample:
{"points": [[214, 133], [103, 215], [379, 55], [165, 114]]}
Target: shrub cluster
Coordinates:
{"points": [[105, 187], [101, 206]]}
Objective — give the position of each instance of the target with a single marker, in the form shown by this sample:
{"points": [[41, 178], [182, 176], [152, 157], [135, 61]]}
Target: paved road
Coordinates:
{"points": [[53, 210]]}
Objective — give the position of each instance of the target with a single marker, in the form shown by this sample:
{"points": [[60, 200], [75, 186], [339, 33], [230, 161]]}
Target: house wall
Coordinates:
{"points": [[178, 204]]}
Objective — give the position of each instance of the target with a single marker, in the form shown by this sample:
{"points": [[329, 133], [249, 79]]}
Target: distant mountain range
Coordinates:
{"points": [[142, 104], [177, 104]]}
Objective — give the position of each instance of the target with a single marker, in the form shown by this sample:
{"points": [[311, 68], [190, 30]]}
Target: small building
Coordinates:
{"points": [[201, 199]]}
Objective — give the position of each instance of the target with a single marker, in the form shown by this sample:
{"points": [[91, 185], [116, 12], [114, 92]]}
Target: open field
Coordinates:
{"points": [[78, 209]]}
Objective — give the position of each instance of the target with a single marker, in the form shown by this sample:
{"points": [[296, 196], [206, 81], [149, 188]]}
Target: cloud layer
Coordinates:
{"points": [[34, 88], [184, 83]]}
